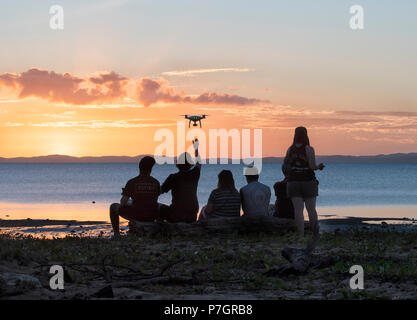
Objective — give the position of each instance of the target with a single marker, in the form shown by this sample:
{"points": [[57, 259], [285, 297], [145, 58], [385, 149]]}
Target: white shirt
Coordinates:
{"points": [[255, 198]]}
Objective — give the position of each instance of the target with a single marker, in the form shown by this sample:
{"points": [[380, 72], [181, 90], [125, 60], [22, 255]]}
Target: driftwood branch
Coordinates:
{"points": [[241, 225], [301, 260], [108, 273]]}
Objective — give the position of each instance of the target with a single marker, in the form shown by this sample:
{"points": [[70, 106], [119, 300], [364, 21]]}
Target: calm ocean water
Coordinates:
{"points": [[341, 184]]}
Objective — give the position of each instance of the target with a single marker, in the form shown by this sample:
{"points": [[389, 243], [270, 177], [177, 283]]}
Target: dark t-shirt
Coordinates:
{"points": [[144, 190], [183, 186]]}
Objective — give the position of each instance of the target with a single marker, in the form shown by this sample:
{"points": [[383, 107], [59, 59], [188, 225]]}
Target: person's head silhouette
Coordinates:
{"points": [[251, 174], [146, 164], [301, 136], [184, 162], [226, 181]]}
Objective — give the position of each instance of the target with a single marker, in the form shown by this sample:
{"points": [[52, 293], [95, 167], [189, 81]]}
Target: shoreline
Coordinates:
{"points": [[41, 228]]}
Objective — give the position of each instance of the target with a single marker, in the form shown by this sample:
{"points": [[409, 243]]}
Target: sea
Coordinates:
{"points": [[84, 191]]}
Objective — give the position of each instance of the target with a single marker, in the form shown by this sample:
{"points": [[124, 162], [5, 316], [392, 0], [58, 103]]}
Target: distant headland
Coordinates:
{"points": [[380, 158]]}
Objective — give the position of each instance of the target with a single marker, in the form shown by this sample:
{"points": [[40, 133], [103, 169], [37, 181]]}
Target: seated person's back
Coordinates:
{"points": [[144, 191], [283, 205], [255, 196], [183, 187], [224, 201]]}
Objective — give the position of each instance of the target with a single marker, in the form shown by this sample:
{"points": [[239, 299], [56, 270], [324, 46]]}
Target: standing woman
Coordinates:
{"points": [[302, 186]]}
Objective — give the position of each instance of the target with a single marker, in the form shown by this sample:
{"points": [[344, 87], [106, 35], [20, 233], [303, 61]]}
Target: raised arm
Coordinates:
{"points": [[196, 154]]}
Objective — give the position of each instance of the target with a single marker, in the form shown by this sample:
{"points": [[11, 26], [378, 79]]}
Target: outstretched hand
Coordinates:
{"points": [[195, 144]]}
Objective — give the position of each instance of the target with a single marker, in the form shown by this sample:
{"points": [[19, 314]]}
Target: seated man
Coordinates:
{"points": [[144, 190], [255, 196], [183, 187]]}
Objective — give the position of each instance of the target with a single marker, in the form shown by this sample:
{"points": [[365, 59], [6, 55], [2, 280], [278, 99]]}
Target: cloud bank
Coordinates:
{"points": [[66, 88], [106, 87], [152, 91]]}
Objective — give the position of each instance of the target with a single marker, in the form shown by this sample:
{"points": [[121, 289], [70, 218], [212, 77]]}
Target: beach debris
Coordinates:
{"points": [[301, 260], [17, 283]]}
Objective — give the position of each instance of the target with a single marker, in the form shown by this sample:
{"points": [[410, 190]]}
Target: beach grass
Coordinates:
{"points": [[227, 266]]}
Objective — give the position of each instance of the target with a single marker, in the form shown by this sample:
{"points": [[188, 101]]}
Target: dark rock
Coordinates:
{"points": [[16, 283], [106, 292]]}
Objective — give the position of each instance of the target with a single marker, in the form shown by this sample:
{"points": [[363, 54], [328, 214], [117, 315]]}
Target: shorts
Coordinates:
{"points": [[302, 189], [132, 213], [171, 214]]}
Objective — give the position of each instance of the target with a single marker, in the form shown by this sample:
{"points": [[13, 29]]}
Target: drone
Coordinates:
{"points": [[194, 119]]}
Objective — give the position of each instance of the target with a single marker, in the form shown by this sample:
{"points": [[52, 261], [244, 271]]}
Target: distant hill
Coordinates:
{"points": [[381, 158]]}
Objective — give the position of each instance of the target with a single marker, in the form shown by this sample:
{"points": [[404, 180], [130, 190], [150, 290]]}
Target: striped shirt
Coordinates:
{"points": [[226, 203]]}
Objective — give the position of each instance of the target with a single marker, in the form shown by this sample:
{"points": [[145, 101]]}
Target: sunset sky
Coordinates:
{"points": [[120, 70]]}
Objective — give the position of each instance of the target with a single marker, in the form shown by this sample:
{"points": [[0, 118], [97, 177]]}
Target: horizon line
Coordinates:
{"points": [[147, 154]]}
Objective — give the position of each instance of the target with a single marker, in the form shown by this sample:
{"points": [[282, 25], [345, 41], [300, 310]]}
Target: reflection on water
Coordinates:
{"points": [[100, 211], [388, 211], [56, 211]]}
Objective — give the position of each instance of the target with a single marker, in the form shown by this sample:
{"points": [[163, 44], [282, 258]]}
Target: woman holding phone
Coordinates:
{"points": [[302, 186]]}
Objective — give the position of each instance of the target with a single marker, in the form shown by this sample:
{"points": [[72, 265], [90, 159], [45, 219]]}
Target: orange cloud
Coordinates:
{"points": [[106, 87], [151, 91], [65, 87]]}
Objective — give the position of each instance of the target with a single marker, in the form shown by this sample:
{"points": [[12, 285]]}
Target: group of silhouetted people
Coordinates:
{"points": [[299, 187]]}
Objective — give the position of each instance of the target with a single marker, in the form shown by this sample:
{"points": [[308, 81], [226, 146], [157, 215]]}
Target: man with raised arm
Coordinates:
{"points": [[183, 186]]}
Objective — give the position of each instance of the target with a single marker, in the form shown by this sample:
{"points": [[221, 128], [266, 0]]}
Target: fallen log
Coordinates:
{"points": [[302, 260], [241, 225]]}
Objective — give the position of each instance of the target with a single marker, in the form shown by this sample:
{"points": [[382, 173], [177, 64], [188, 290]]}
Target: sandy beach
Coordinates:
{"points": [[221, 267]]}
